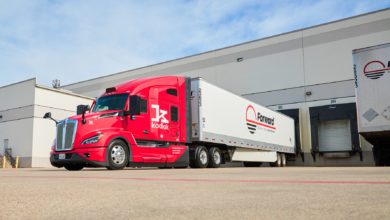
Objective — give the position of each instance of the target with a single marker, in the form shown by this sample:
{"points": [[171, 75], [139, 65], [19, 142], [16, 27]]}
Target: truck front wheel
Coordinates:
{"points": [[214, 158], [118, 155]]}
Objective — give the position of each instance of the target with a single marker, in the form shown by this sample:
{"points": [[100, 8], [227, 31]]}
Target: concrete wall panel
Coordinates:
{"points": [[44, 97], [332, 62], [44, 134], [265, 73], [17, 113], [17, 95], [331, 90], [183, 61], [20, 136], [278, 97], [259, 43]]}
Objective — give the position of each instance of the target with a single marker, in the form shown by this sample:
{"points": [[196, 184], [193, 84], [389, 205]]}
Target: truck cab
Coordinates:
{"points": [[142, 122]]}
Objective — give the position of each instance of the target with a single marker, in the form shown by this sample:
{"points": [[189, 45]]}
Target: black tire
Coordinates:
{"points": [[214, 158], [283, 160], [277, 163], [251, 164], [73, 167], [118, 162], [202, 157]]}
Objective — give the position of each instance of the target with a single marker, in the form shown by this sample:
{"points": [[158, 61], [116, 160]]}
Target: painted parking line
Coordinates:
{"points": [[204, 180]]}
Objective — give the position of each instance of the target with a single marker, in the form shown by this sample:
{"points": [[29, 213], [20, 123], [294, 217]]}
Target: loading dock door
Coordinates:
{"points": [[334, 135], [333, 113]]}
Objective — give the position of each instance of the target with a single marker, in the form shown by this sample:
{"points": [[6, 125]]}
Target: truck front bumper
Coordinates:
{"points": [[77, 157]]}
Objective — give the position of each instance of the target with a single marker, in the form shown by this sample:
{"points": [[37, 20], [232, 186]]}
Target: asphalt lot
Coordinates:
{"points": [[225, 193]]}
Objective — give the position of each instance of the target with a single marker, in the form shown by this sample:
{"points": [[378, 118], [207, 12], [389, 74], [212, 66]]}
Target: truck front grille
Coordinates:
{"points": [[66, 131]]}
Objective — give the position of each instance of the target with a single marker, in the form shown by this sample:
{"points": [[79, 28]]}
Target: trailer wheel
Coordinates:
{"points": [[251, 164], [214, 158], [73, 167], [284, 160], [202, 158], [118, 155], [278, 162]]}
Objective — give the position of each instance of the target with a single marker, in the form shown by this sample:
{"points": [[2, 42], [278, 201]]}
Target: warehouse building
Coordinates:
{"points": [[306, 74], [23, 131]]}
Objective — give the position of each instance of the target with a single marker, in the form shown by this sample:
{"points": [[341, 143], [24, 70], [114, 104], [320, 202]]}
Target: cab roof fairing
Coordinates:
{"points": [[142, 86]]}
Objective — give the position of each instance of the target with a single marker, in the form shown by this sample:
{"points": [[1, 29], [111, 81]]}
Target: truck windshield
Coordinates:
{"points": [[112, 102]]}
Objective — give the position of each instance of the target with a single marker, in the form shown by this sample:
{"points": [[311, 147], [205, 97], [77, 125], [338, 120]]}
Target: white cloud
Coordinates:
{"points": [[79, 40]]}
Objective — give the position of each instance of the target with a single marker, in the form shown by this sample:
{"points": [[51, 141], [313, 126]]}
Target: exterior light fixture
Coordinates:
{"points": [[308, 93], [240, 59]]}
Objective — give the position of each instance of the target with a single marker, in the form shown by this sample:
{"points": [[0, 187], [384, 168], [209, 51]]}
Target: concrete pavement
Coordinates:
{"points": [[225, 193]]}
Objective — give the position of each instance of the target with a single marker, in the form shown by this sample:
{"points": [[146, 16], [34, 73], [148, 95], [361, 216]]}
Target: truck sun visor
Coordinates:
{"points": [[111, 89]]}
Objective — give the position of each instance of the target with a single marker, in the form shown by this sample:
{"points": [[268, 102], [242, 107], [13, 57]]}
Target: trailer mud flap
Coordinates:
{"points": [[331, 113], [296, 115]]}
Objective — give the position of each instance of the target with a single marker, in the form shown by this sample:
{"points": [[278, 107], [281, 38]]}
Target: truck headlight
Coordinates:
{"points": [[93, 139]]}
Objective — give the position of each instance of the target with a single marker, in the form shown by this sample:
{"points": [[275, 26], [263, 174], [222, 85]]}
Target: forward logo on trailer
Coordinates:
{"points": [[377, 69], [253, 119]]}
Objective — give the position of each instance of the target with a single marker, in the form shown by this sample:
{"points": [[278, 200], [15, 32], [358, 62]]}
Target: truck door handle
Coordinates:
{"points": [[146, 131], [177, 133]]}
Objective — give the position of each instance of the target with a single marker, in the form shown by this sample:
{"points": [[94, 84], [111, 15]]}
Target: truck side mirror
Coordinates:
{"points": [[134, 105], [85, 108], [48, 115], [80, 109]]}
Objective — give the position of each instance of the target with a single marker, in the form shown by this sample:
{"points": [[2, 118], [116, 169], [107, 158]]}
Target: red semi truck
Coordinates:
{"points": [[170, 122]]}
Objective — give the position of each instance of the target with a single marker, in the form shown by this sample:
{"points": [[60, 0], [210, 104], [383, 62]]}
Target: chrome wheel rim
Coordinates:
{"points": [[118, 154], [203, 157], [284, 160], [279, 160], [217, 157]]}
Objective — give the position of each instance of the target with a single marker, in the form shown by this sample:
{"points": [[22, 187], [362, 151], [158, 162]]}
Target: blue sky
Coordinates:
{"points": [[79, 40]]}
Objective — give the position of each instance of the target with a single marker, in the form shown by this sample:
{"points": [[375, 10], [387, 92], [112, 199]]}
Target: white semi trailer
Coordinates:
{"points": [[372, 82], [251, 133]]}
